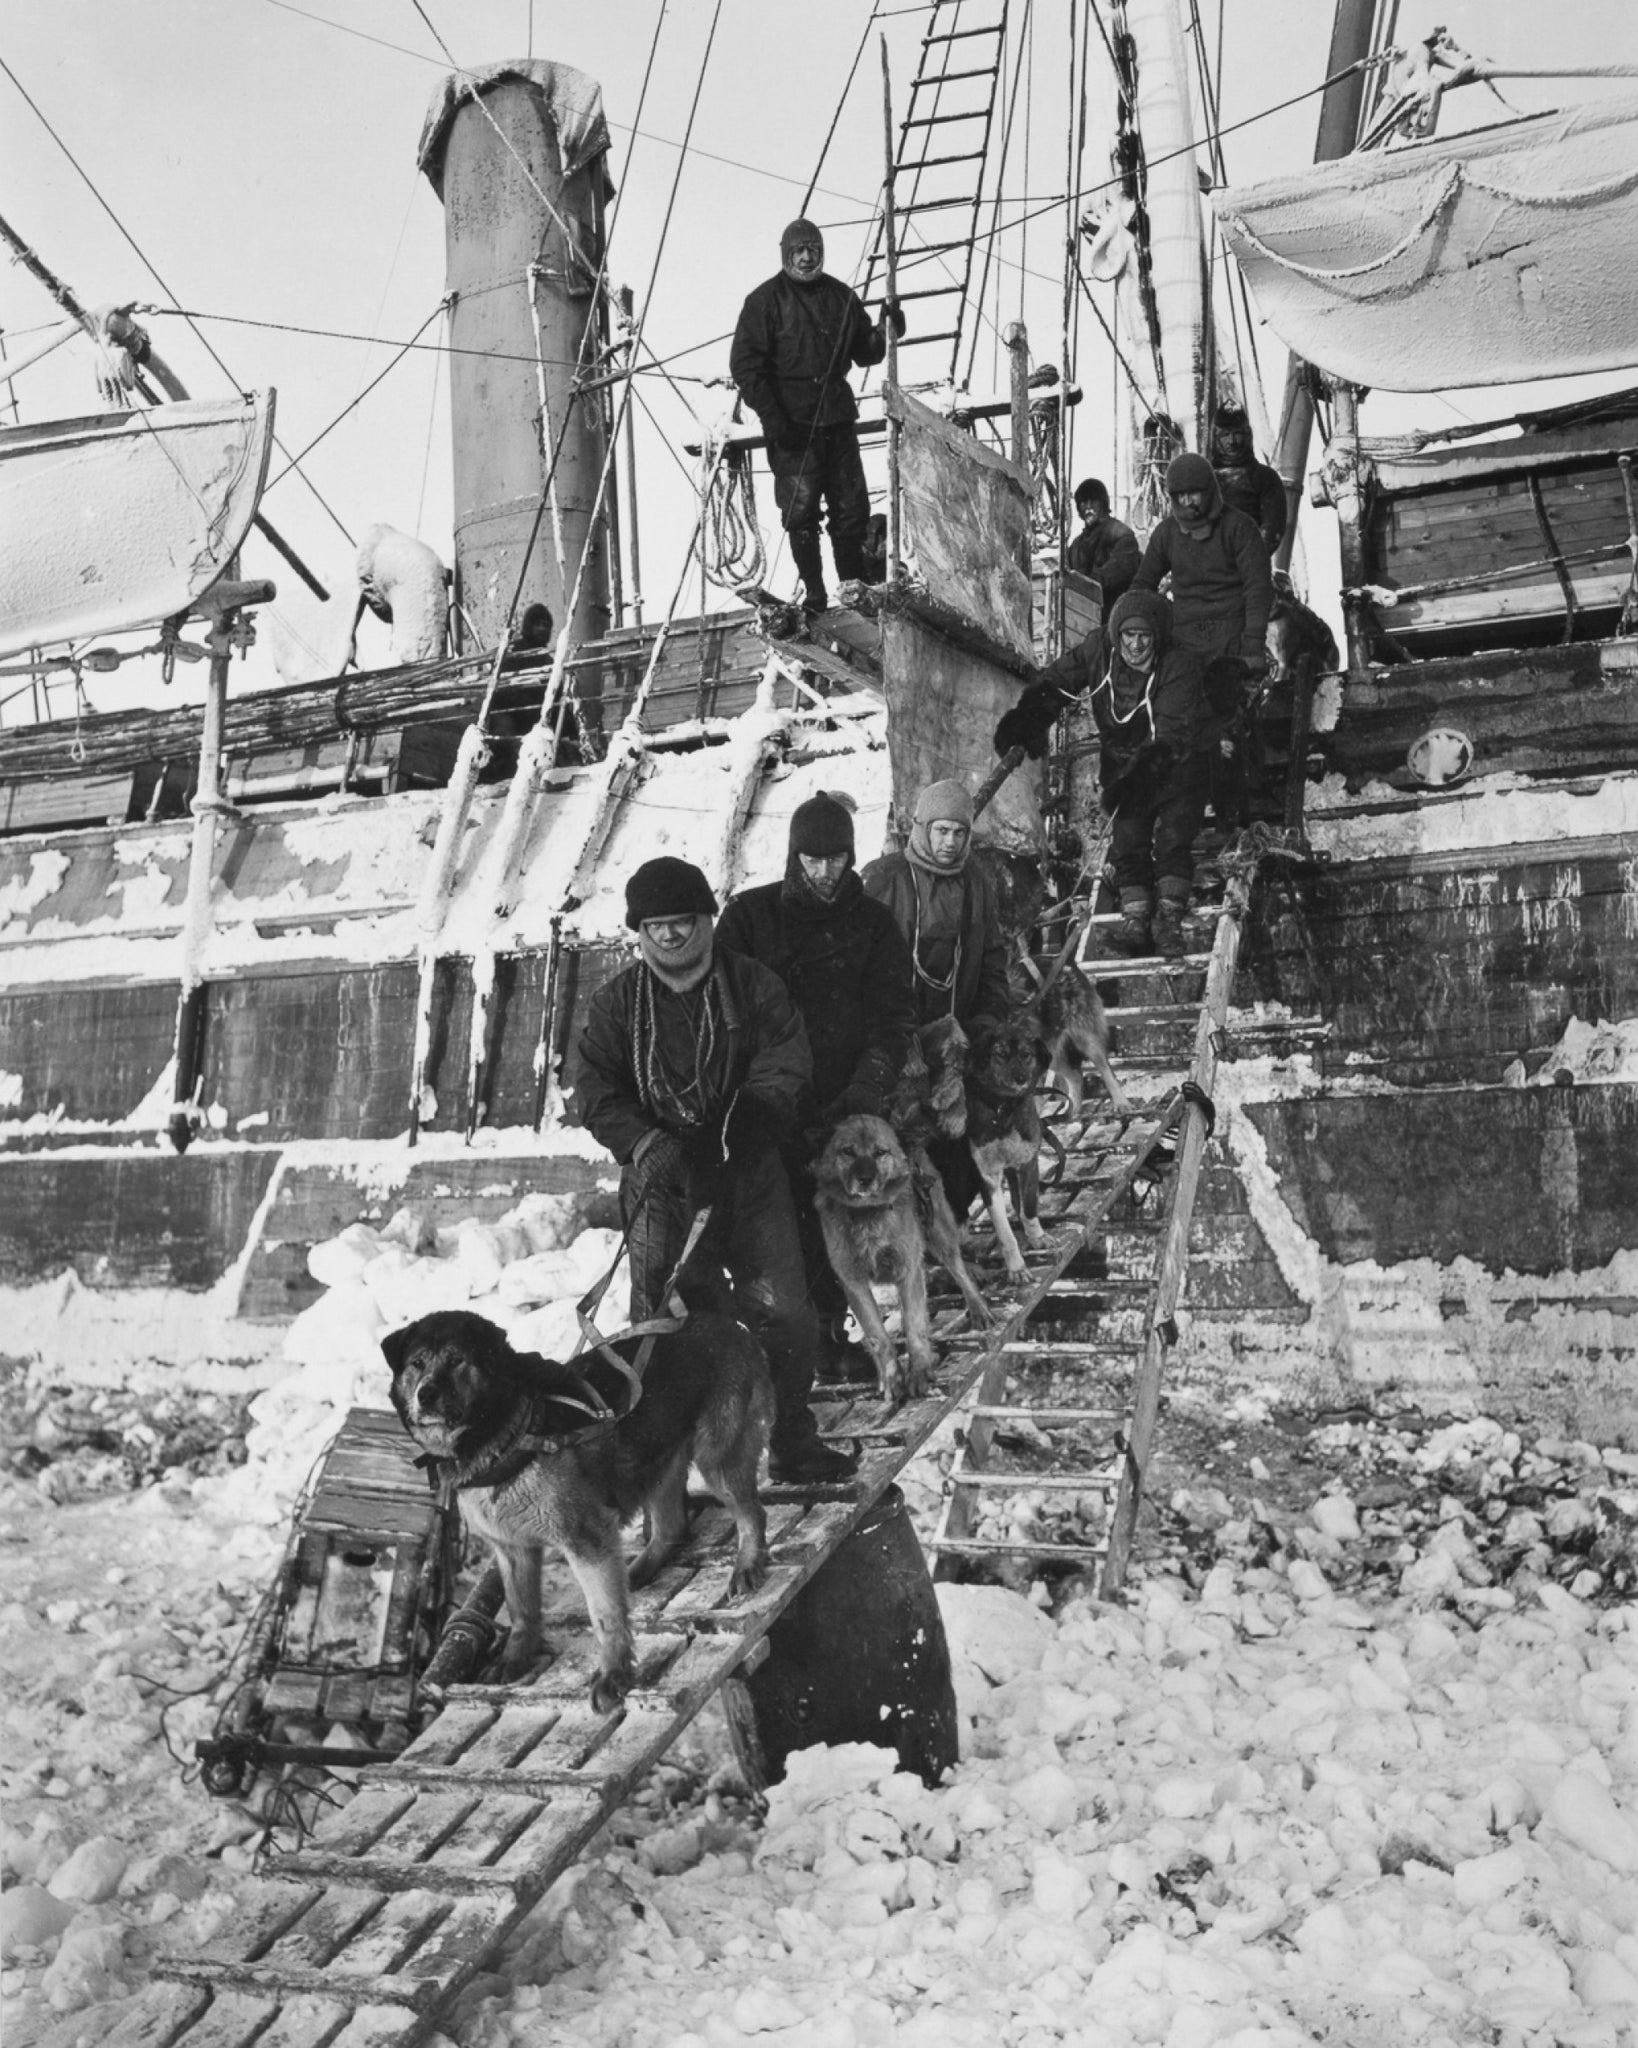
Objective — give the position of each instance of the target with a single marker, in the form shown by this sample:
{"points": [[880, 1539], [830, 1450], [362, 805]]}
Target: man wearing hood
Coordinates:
{"points": [[847, 969], [946, 906], [691, 1070], [1156, 738], [1248, 486], [797, 337]]}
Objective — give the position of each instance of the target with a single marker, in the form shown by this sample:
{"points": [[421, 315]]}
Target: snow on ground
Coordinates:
{"points": [[1361, 1770]]}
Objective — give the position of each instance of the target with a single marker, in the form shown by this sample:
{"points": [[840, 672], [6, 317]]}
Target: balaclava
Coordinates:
{"points": [[939, 802], [800, 231]]}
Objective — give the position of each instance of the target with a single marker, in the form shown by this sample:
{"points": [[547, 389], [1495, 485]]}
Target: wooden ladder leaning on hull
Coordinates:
{"points": [[365, 1936], [1140, 1192]]}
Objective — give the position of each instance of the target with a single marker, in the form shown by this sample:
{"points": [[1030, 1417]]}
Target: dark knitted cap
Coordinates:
{"points": [[1092, 487], [821, 826], [668, 887], [800, 231], [1188, 472]]}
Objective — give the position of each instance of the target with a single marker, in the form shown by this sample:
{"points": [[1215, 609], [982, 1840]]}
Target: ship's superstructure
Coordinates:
{"points": [[405, 916]]}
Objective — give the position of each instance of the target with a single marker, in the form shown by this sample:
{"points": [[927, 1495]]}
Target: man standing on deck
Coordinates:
{"points": [[691, 1069], [847, 968], [1106, 549], [797, 337], [1249, 486]]}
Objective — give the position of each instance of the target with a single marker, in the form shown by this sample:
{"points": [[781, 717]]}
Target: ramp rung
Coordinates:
{"points": [[1029, 1482], [1044, 1418], [390, 1874], [997, 1546]]}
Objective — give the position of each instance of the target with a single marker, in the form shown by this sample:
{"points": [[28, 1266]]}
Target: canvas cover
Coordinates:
{"points": [[965, 523], [121, 519], [574, 103], [965, 536], [942, 705], [1484, 258]]}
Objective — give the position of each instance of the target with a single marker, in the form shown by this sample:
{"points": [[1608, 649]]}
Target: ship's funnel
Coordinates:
{"points": [[518, 154]]}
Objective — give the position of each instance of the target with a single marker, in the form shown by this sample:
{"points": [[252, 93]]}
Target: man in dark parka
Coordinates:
{"points": [[691, 1070], [1157, 736], [847, 968], [797, 337]]}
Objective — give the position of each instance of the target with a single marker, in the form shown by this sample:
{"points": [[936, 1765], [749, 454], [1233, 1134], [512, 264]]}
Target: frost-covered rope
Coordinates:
{"points": [[1449, 185]]}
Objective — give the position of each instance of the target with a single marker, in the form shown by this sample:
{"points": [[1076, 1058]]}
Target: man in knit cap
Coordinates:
{"points": [[692, 1069], [797, 337], [1157, 739], [1106, 549], [847, 968], [1222, 591], [1248, 486]]}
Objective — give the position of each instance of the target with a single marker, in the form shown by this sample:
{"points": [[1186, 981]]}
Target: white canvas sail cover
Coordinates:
{"points": [[1484, 258], [121, 519]]}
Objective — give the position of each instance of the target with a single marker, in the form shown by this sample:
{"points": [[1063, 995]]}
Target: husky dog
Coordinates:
{"points": [[509, 1431], [1076, 1036], [1004, 1126], [882, 1210]]}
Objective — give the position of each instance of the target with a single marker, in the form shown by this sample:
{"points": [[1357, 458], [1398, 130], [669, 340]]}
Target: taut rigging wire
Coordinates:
{"points": [[91, 186]]}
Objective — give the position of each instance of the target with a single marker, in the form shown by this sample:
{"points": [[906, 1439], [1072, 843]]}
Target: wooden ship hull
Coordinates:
{"points": [[1398, 1190]]}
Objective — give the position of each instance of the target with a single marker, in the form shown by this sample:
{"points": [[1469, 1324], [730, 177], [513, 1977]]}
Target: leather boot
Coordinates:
{"points": [[808, 560], [1131, 937], [1168, 930]]}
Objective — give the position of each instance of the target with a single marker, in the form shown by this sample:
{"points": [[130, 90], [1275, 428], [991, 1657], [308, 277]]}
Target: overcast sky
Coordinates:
{"points": [[261, 155]]}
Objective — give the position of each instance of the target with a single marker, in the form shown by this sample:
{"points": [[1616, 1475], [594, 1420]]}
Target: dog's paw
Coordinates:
{"points": [[749, 1577], [1034, 1233], [609, 1688], [894, 1385]]}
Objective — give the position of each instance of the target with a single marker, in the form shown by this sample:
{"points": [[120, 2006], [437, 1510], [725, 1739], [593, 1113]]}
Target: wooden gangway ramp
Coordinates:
{"points": [[368, 1932]]}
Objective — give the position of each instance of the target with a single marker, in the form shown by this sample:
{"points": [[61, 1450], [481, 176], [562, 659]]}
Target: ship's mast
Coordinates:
{"points": [[1172, 196], [1352, 34]]}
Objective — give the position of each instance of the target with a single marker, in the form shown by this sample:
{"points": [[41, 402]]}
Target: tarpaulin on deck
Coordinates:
{"points": [[1484, 258], [965, 534]]}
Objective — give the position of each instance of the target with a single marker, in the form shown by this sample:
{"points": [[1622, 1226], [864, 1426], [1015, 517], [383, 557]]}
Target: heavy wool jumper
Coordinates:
{"points": [[1222, 592]]}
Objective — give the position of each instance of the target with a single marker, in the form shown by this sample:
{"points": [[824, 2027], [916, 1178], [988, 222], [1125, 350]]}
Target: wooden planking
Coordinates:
{"points": [[129, 1219], [89, 799], [87, 1054], [1522, 1180], [1440, 972], [1555, 709], [323, 1054]]}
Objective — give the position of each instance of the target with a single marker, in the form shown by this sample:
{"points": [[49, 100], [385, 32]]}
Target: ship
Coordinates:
{"points": [[295, 960], [297, 956]]}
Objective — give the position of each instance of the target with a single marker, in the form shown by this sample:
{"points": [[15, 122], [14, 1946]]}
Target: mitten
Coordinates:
{"points": [[895, 312], [1029, 723], [660, 1156]]}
